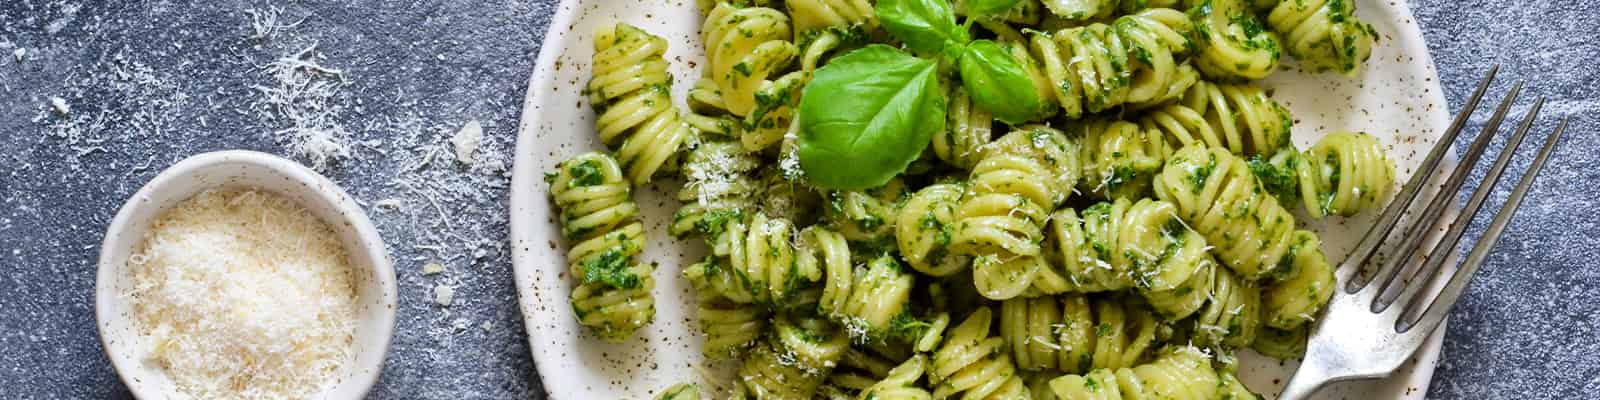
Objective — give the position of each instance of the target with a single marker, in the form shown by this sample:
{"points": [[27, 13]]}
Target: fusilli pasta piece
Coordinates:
{"points": [[901, 382], [925, 228], [1232, 43], [1342, 174], [1183, 373], [968, 128], [1137, 60], [1217, 195], [629, 91], [1021, 177], [1074, 334], [1239, 117], [975, 365], [1140, 245], [612, 297], [1324, 34], [681, 391]]}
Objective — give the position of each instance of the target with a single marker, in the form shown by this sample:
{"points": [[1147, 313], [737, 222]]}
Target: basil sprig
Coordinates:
{"points": [[866, 115]]}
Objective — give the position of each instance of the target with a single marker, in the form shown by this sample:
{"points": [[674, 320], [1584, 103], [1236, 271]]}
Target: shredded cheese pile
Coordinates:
{"points": [[244, 295]]}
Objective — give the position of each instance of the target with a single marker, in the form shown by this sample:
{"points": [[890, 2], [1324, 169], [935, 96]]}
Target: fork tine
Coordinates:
{"points": [[1441, 305], [1386, 222], [1440, 253], [1415, 236]]}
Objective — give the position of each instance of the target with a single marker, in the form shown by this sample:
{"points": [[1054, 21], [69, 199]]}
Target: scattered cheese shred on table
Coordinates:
{"points": [[244, 295]]}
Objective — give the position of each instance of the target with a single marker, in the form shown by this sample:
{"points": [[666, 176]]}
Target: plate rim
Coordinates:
{"points": [[523, 177]]}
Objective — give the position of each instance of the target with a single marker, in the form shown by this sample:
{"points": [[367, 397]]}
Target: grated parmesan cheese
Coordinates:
{"points": [[444, 295], [466, 142], [244, 295]]}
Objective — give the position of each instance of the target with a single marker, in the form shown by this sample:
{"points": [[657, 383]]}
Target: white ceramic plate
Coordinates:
{"points": [[1397, 98]]}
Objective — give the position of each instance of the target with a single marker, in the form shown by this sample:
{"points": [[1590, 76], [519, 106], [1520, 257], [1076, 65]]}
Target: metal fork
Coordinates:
{"points": [[1368, 331]]}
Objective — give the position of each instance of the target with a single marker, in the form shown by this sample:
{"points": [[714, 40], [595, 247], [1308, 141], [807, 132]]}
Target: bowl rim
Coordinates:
{"points": [[353, 215]]}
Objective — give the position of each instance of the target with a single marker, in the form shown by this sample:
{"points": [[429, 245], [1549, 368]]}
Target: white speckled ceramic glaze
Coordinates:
{"points": [[374, 273], [1397, 98]]}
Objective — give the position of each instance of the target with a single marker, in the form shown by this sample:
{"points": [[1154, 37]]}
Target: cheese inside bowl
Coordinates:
{"points": [[371, 298]]}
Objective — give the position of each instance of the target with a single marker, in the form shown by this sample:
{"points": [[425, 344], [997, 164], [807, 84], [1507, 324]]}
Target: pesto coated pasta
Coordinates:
{"points": [[1136, 60], [1022, 176], [681, 391], [1119, 158], [901, 382], [1342, 174], [1182, 373], [1122, 245], [974, 364], [729, 327], [1239, 117], [1232, 42], [968, 128], [612, 297], [1074, 333], [1182, 253], [1294, 301], [1324, 34], [719, 186], [925, 227], [629, 91], [1217, 195]]}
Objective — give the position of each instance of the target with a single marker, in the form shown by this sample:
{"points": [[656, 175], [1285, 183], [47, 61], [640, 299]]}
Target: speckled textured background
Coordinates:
{"points": [[150, 82]]}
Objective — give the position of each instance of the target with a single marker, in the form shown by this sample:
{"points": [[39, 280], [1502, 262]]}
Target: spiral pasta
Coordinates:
{"points": [[867, 216], [629, 91], [867, 301], [901, 382], [1282, 344], [1119, 158], [811, 15], [1216, 194], [1232, 44], [1083, 10], [924, 230], [681, 391], [766, 373], [809, 340], [968, 128], [1183, 373], [783, 197], [1126, 245], [729, 327], [1239, 117], [762, 264], [1232, 313], [1324, 34], [1137, 60], [1074, 334], [1342, 174], [612, 297], [1294, 301], [746, 46], [719, 186], [1022, 176], [974, 364]]}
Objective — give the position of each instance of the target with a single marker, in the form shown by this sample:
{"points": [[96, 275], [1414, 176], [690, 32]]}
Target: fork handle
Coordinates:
{"points": [[1306, 380]]}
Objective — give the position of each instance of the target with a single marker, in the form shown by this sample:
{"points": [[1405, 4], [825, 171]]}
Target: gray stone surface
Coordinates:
{"points": [[150, 82]]}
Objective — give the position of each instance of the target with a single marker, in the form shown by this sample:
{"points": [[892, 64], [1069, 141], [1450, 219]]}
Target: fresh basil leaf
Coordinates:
{"points": [[866, 115], [984, 8], [998, 83], [927, 26]]}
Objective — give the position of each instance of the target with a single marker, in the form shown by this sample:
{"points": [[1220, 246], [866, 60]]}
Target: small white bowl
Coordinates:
{"points": [[375, 282]]}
